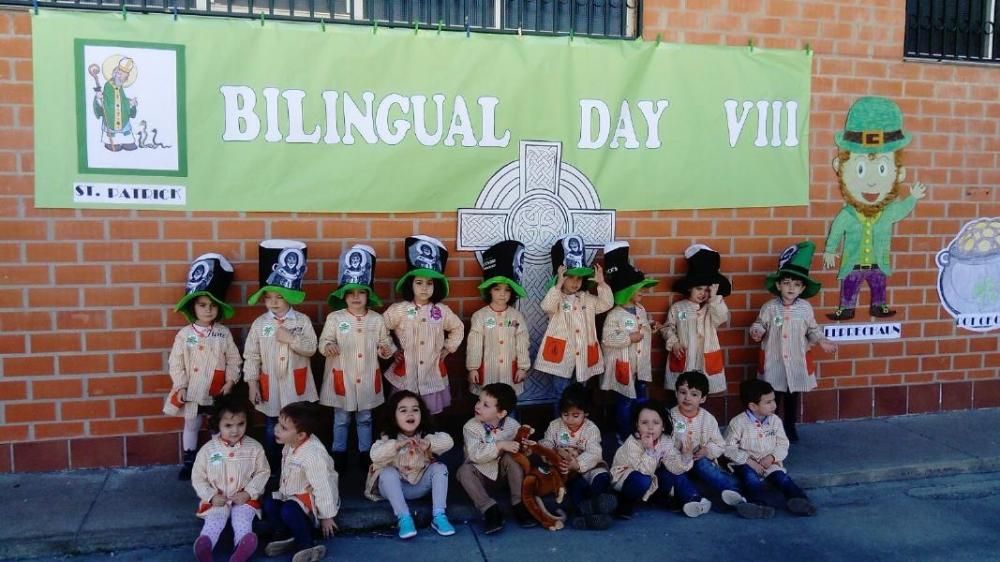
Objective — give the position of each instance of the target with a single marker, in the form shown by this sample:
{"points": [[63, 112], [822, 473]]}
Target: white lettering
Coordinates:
{"points": [[401, 126], [652, 118], [460, 125], [488, 138], [242, 124], [587, 139], [293, 99]]}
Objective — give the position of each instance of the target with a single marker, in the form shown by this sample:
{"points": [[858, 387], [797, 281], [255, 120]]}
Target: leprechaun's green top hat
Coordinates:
{"points": [[503, 262], [874, 124], [425, 257], [281, 269], [795, 262], [623, 278], [357, 271], [209, 275]]}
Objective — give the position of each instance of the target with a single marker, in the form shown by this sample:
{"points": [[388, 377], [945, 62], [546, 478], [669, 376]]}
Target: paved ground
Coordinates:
{"points": [[120, 510]]}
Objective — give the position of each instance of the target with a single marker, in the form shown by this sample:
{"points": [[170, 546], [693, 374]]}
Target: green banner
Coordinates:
{"points": [[215, 114]]}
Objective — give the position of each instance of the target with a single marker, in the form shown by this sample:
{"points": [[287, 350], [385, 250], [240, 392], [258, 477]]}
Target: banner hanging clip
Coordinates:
{"points": [[36, 6], [124, 13], [467, 34], [416, 27], [262, 19], [809, 48], [440, 25], [322, 24], [174, 10], [659, 37], [750, 44], [571, 33], [519, 31], [374, 26]]}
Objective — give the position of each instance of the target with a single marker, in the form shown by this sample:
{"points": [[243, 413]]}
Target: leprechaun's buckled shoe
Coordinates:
{"points": [[881, 311], [841, 314]]}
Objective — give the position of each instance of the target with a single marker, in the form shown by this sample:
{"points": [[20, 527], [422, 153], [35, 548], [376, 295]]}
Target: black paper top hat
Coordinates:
{"points": [[703, 269], [795, 262], [209, 275], [425, 257], [281, 269], [623, 278], [357, 271], [571, 252], [503, 262]]}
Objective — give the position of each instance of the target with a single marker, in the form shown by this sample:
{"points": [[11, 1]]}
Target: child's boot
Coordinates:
{"points": [[245, 548], [492, 520], [185, 473], [625, 509], [407, 529], [524, 518], [748, 510], [203, 549], [801, 506]]}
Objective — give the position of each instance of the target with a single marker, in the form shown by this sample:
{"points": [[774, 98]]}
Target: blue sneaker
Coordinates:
{"points": [[407, 529], [441, 524]]}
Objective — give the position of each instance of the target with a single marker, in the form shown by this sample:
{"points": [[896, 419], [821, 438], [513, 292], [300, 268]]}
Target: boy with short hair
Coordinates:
{"points": [[488, 436], [696, 434], [757, 446]]}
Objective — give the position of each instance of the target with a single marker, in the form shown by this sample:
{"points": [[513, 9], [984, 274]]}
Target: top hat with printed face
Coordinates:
{"points": [[794, 262], [357, 271], [623, 278], [703, 269], [503, 262], [425, 257], [209, 275], [571, 252], [281, 269]]}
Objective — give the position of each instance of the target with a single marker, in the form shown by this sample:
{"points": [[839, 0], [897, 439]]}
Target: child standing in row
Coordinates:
{"points": [[204, 361], [570, 350], [405, 465], [427, 330], [787, 329], [352, 341], [229, 476], [690, 332], [280, 341], [497, 348], [627, 336]]}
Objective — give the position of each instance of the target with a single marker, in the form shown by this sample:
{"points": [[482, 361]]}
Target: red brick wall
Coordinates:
{"points": [[85, 296]]}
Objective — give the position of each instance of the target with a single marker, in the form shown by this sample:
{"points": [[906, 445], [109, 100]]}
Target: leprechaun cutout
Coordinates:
{"points": [[870, 170]]}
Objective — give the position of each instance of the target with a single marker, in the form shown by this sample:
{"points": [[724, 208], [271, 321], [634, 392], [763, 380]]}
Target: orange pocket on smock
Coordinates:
{"points": [[399, 366], [810, 363], [338, 383], [553, 349], [175, 399], [299, 375], [623, 372], [218, 381], [714, 362], [593, 354], [761, 361], [442, 368], [676, 364], [265, 386], [378, 381]]}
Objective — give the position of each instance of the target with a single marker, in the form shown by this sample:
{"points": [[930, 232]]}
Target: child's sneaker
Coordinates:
{"points": [[524, 518], [732, 498], [277, 548], [406, 527], [749, 510], [245, 548], [695, 509], [801, 506], [314, 554], [203, 549], [624, 510], [492, 520], [441, 524]]}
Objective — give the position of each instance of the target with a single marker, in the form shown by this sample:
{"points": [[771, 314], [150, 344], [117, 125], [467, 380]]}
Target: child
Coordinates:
{"points": [[570, 344], [757, 446], [308, 496], [627, 336], [640, 468], [352, 341], [489, 437], [229, 476], [204, 361], [697, 437], [427, 330], [280, 341], [404, 465], [787, 328], [690, 332], [578, 442], [497, 349]]}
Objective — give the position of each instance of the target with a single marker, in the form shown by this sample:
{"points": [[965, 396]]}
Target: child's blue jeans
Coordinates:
{"points": [[342, 427], [754, 485], [637, 483], [623, 410], [272, 450], [709, 473], [579, 490], [288, 517]]}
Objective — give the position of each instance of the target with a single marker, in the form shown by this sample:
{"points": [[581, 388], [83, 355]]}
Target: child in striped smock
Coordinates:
{"points": [[307, 496], [427, 330], [229, 476], [405, 464], [353, 340], [786, 328], [627, 336], [204, 361], [497, 348], [280, 341]]}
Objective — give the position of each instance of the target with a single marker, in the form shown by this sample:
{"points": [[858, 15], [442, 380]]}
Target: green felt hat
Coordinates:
{"points": [[425, 257], [281, 269], [795, 262], [357, 271], [209, 275], [874, 124]]}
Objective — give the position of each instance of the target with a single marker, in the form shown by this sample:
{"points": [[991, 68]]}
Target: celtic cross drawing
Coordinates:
{"points": [[535, 200]]}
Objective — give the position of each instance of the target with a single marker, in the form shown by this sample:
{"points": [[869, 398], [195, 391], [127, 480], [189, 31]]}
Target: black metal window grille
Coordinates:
{"points": [[960, 30], [594, 18]]}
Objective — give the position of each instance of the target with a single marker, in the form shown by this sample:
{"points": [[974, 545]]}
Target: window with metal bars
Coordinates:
{"points": [[595, 18], [960, 30]]}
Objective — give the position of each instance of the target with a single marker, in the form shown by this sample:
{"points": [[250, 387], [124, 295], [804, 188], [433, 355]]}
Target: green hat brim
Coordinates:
{"points": [[589, 283], [514, 286], [422, 272], [851, 146], [626, 294], [336, 298], [181, 306], [293, 297], [812, 286]]}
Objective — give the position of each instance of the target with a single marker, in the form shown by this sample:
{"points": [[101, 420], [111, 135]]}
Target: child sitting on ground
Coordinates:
{"points": [[229, 476], [757, 446], [405, 466], [308, 495], [489, 437], [578, 442]]}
